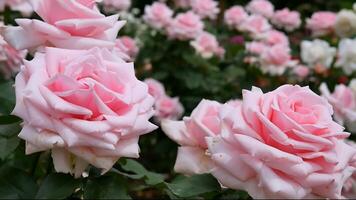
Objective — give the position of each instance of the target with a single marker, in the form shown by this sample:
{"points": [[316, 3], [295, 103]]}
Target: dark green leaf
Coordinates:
{"points": [[9, 125], [7, 91], [193, 186], [7, 97], [7, 146], [57, 186], [16, 184], [110, 186], [140, 172]]}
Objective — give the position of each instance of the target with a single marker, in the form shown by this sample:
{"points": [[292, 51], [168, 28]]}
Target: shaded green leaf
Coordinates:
{"points": [[193, 186], [57, 186], [7, 146], [16, 184], [140, 172], [110, 186], [7, 97], [9, 125]]}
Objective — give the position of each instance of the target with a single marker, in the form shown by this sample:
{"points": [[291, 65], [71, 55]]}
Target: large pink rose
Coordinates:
{"points": [[87, 106], [289, 20], [343, 100], [207, 45], [10, 58], [75, 24], [158, 15], [205, 8], [234, 16], [190, 135], [255, 25], [321, 23], [261, 7], [282, 144], [185, 26], [349, 189]]}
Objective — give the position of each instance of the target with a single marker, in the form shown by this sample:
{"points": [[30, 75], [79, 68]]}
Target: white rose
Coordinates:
{"points": [[347, 55], [317, 52], [345, 25]]}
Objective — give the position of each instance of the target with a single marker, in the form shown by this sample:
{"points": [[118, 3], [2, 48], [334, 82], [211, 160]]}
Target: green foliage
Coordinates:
{"points": [[16, 184], [110, 186], [57, 186], [185, 187]]}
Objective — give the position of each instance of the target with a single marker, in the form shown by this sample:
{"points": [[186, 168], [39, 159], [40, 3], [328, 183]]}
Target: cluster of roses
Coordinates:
{"points": [[271, 48], [318, 54], [281, 144], [78, 96], [187, 25]]}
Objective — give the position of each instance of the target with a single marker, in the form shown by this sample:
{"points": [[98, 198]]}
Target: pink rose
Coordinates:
{"points": [[10, 59], [255, 24], [343, 100], [128, 46], [276, 59], [321, 23], [205, 8], [349, 189], [301, 71], [165, 106], [289, 20], [274, 37], [190, 134], [234, 16], [168, 108], [74, 25], [158, 15], [260, 7], [282, 145], [185, 26], [155, 88], [23, 6], [87, 106], [116, 5], [207, 45], [256, 47], [235, 103]]}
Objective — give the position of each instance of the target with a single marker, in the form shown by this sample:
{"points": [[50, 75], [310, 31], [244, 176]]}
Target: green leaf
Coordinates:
{"points": [[7, 91], [7, 146], [16, 184], [9, 125], [193, 186], [110, 186], [57, 186], [7, 97], [151, 178]]}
